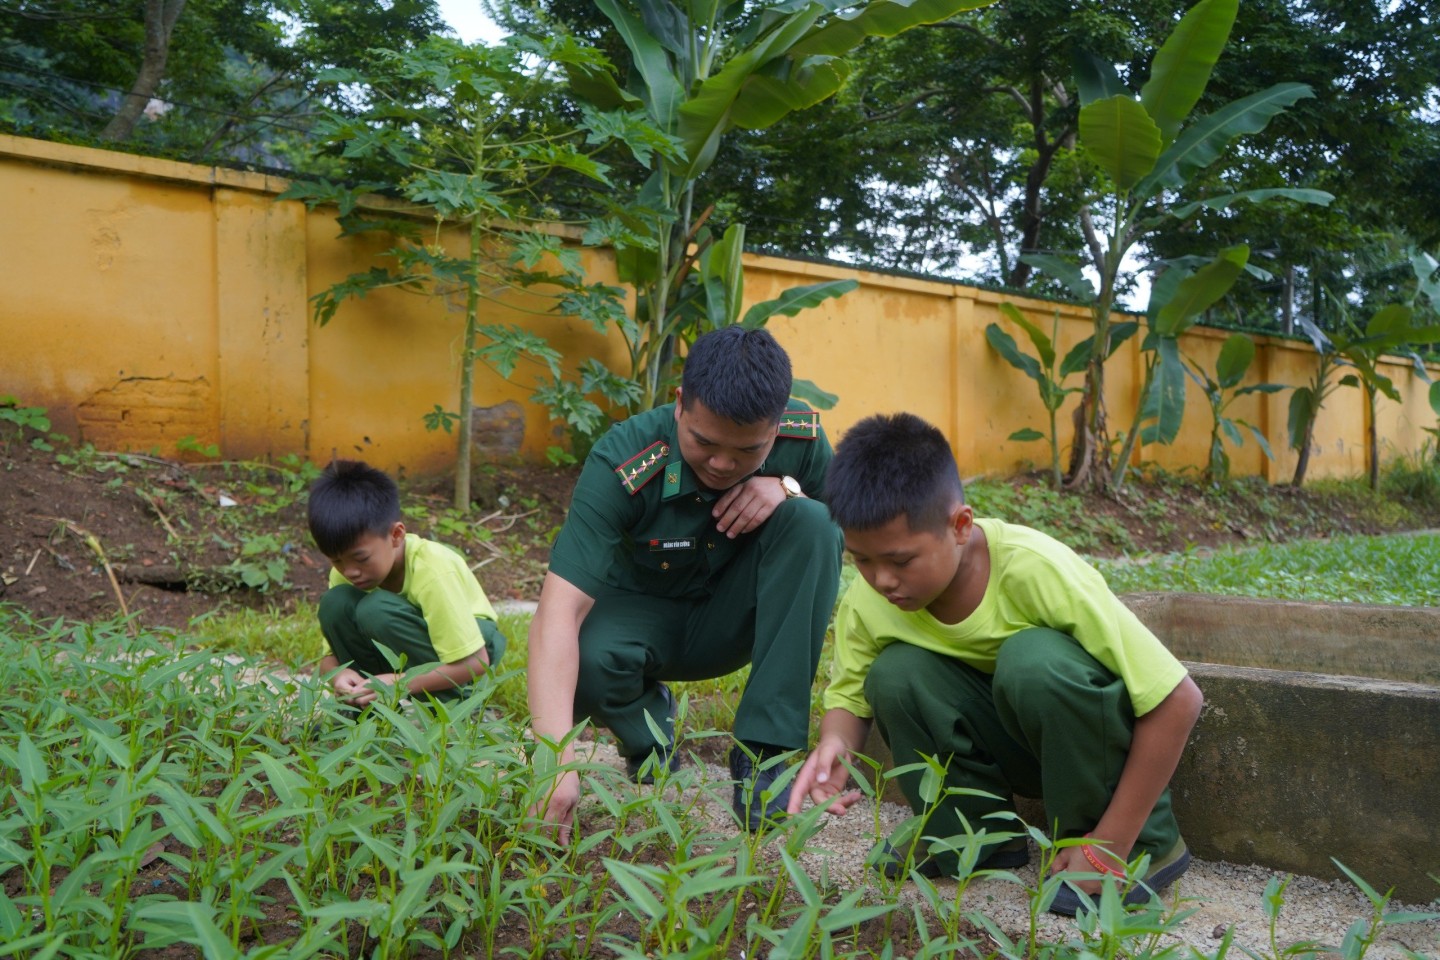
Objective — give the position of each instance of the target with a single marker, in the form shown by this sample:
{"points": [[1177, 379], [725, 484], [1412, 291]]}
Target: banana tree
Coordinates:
{"points": [[1390, 330], [1149, 150], [701, 68], [1178, 299], [1049, 380], [1222, 388]]}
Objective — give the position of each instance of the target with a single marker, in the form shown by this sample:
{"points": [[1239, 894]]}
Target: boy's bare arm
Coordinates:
{"points": [[1159, 739], [550, 684], [823, 775], [447, 676]]}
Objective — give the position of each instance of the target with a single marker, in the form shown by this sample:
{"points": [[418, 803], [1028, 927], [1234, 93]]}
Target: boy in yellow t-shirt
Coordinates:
{"points": [[997, 650], [389, 588]]}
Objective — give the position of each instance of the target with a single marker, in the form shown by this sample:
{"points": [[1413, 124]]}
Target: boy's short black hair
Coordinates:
{"points": [[349, 500], [742, 375], [886, 466]]}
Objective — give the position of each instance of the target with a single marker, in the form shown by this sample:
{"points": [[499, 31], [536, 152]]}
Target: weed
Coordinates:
{"points": [[22, 420]]}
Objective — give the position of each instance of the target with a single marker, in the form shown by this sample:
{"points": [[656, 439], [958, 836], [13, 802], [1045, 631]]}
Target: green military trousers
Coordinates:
{"points": [[768, 607], [1052, 723], [356, 624]]}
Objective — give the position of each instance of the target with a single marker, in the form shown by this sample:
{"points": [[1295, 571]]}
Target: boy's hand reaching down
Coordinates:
{"points": [[823, 777], [349, 684]]}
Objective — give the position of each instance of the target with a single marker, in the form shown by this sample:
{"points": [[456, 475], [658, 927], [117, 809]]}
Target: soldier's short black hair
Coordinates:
{"points": [[349, 500], [889, 465], [742, 375]]}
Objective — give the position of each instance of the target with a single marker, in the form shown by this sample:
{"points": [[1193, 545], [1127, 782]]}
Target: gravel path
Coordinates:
{"points": [[1222, 895]]}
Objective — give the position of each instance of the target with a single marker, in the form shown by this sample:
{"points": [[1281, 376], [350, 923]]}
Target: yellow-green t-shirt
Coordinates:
{"points": [[440, 584], [1035, 581]]}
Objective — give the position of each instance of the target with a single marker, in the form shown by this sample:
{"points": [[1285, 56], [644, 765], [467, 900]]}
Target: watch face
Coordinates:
{"points": [[791, 485]]}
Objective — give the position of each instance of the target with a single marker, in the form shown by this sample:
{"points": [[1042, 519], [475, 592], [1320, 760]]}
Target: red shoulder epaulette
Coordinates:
{"points": [[643, 467], [800, 424]]}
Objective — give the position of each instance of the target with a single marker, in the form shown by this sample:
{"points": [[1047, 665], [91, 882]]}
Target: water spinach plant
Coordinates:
{"points": [[161, 802]]}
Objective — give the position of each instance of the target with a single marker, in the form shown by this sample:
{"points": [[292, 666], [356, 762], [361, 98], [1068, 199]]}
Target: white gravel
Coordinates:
{"points": [[1222, 895]]}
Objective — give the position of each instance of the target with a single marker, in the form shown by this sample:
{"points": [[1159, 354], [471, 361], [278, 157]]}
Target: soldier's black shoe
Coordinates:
{"points": [[641, 767], [755, 801]]}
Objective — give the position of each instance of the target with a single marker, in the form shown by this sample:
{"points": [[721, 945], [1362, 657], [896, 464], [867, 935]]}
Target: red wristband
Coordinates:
{"points": [[1096, 862]]}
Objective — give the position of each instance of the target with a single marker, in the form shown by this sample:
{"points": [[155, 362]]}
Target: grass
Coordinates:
{"points": [[158, 798], [1398, 569]]}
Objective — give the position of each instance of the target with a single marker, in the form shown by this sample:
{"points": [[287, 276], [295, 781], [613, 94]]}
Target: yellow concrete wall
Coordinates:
{"points": [[144, 301]]}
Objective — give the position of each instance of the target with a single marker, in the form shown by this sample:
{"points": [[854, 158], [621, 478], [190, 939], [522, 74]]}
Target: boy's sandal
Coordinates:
{"points": [[1163, 872]]}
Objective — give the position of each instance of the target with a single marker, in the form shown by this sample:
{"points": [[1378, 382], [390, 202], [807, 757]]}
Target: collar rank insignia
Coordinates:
{"points": [[800, 424], [643, 467]]}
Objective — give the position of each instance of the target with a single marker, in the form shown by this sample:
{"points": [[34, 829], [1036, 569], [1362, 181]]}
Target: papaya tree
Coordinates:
{"points": [[466, 126], [700, 69], [1148, 150]]}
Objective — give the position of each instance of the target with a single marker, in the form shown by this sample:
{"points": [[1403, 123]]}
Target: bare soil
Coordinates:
{"points": [[87, 534]]}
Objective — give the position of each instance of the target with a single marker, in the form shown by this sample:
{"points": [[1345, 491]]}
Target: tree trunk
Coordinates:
{"points": [[1288, 307], [160, 17], [1302, 462], [1373, 438]]}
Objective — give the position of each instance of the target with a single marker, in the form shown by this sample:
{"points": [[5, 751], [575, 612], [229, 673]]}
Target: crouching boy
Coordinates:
{"points": [[393, 589], [997, 650]]}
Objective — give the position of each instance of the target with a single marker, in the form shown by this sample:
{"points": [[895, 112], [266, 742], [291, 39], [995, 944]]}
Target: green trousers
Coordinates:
{"points": [[1051, 723], [356, 624], [767, 607]]}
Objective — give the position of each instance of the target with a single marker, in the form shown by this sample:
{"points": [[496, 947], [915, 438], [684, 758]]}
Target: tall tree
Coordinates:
{"points": [[204, 80]]}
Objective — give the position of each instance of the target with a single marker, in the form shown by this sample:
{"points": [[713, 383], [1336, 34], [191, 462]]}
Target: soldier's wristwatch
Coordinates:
{"points": [[791, 487]]}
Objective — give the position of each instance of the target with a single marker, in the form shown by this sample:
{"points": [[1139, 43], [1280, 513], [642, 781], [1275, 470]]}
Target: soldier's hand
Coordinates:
{"points": [[558, 809], [745, 506]]}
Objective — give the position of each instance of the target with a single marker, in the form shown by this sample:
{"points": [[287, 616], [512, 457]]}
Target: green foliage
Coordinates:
{"points": [[699, 72], [1148, 151], [1222, 387], [474, 133], [1391, 329], [188, 444], [162, 798], [22, 419], [1416, 476], [237, 80], [1041, 368], [1064, 517], [1397, 569]]}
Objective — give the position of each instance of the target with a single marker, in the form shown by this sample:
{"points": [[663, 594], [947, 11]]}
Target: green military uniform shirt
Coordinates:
{"points": [[639, 521]]}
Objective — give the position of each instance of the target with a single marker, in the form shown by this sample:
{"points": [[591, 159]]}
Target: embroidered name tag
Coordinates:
{"points": [[672, 543]]}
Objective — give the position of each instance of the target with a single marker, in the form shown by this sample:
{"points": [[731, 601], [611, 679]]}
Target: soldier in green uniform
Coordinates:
{"points": [[695, 544]]}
